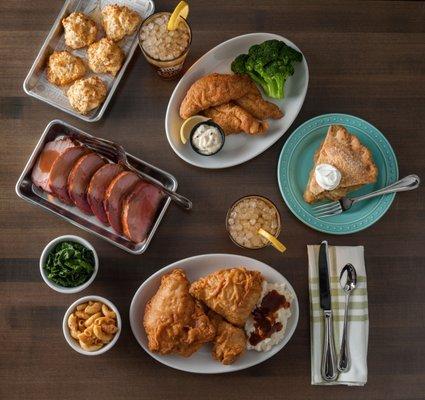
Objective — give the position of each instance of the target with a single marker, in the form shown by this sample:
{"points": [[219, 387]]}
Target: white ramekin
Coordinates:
{"points": [[73, 343], [50, 246]]}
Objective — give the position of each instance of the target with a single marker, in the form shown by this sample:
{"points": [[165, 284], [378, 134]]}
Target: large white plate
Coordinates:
{"points": [[238, 148], [195, 267]]}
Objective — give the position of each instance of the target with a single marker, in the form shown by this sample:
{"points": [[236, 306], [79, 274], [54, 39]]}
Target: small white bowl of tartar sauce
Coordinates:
{"points": [[207, 138]]}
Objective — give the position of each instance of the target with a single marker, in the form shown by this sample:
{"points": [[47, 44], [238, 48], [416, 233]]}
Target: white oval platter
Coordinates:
{"points": [[195, 267], [237, 148]]}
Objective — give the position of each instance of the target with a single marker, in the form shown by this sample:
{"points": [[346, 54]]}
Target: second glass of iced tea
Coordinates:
{"points": [[165, 50]]}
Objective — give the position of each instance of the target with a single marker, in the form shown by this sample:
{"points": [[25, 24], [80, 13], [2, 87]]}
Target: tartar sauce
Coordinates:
{"points": [[327, 176], [207, 139]]}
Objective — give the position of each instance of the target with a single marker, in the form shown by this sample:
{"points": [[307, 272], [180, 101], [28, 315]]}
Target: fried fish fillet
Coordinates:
{"points": [[232, 293], [258, 107], [213, 90], [235, 119], [229, 341], [174, 322]]}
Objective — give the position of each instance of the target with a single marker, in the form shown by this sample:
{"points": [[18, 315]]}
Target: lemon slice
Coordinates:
{"points": [[181, 10], [188, 125], [275, 243]]}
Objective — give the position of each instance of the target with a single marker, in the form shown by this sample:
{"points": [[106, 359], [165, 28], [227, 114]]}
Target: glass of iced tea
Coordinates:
{"points": [[165, 50], [249, 214]]}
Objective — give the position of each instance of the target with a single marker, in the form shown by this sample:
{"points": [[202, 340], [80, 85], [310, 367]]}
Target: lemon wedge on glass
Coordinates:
{"points": [[188, 125], [181, 10], [274, 242]]}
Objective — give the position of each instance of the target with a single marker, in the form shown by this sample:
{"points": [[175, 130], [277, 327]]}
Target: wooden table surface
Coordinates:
{"points": [[365, 59]]}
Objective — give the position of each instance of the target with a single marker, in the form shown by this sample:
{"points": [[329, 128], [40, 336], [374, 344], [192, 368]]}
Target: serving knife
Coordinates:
{"points": [[328, 368]]}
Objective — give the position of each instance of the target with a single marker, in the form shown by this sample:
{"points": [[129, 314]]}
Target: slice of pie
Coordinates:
{"points": [[354, 161]]}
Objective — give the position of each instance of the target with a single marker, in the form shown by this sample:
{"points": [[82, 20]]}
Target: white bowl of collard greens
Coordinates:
{"points": [[69, 264]]}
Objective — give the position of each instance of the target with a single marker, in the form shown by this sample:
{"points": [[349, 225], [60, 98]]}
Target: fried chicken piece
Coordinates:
{"points": [[86, 94], [64, 68], [213, 90], [119, 21], [174, 322], [229, 341], [235, 119], [258, 107], [105, 56], [232, 293], [80, 30]]}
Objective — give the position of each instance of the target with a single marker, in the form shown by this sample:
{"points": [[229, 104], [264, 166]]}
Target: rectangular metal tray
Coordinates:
{"points": [[26, 190], [36, 83]]}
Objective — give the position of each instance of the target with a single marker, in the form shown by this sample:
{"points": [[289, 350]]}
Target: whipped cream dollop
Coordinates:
{"points": [[327, 176]]}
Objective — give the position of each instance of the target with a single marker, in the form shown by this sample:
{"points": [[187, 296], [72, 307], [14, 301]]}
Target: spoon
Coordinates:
{"points": [[348, 280]]}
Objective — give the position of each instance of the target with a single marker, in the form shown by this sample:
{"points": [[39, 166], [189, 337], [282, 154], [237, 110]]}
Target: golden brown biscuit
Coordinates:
{"points": [[86, 94], [80, 30], [232, 293], [105, 56], [119, 21], [64, 68]]}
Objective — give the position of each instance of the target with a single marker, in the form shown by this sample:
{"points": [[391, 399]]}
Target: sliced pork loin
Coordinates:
{"points": [[79, 179], [58, 179], [138, 211], [51, 151], [120, 186], [97, 189]]}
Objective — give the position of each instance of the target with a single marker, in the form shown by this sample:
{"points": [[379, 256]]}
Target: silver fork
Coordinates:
{"points": [[409, 182], [117, 153]]}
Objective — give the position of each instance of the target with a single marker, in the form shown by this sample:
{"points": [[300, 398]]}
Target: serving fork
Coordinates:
{"points": [[409, 182], [116, 152]]}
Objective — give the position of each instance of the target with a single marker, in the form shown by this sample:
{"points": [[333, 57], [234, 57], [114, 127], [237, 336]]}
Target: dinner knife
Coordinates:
{"points": [[328, 368]]}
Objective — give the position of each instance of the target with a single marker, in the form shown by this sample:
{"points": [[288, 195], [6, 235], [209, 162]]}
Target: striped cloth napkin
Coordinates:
{"points": [[358, 322]]}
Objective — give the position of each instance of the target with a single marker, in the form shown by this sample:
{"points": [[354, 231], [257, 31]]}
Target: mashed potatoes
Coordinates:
{"points": [[266, 325]]}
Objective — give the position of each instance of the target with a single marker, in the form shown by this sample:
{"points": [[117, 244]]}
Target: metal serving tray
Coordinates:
{"points": [[26, 190], [36, 83]]}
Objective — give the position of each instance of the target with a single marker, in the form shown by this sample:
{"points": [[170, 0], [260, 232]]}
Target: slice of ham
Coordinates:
{"points": [[97, 189], [51, 151], [58, 179], [138, 211], [79, 179], [120, 186]]}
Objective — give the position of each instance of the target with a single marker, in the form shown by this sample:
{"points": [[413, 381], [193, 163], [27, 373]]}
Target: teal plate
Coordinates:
{"points": [[296, 161]]}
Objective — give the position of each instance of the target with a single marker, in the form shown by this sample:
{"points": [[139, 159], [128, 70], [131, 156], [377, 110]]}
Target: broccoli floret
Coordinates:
{"points": [[269, 65], [291, 54], [238, 64]]}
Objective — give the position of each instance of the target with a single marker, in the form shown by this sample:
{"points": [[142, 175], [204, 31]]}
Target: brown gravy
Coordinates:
{"points": [[265, 323]]}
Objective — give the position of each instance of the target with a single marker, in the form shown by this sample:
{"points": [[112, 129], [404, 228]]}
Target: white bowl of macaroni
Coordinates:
{"points": [[92, 325]]}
